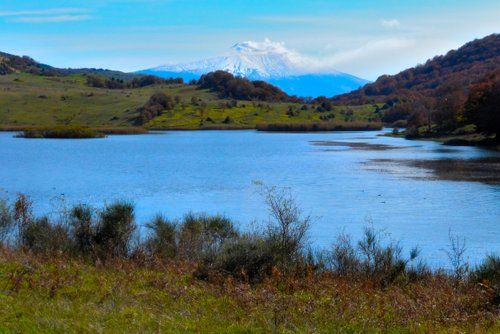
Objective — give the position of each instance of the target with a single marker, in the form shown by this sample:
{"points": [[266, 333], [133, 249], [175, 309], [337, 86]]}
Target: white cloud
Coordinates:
{"points": [[374, 52], [393, 23], [50, 11], [371, 49], [51, 19], [288, 19], [50, 15]]}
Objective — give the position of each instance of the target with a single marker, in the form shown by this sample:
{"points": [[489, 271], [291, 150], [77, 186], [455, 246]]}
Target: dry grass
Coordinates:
{"points": [[58, 294]]}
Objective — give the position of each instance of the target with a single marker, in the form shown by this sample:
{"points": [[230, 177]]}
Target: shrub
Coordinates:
{"points": [[383, 263], [115, 229], [344, 259], [227, 120], [488, 274], [84, 230], [201, 236], [163, 240], [249, 258], [456, 255], [6, 221], [22, 215], [287, 229], [42, 237], [412, 132], [156, 105]]}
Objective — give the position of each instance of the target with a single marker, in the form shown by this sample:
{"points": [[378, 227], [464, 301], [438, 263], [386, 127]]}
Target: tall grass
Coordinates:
{"points": [[60, 132], [319, 126]]}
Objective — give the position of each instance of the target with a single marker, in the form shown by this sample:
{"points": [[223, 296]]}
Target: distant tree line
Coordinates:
{"points": [[231, 87], [117, 83]]}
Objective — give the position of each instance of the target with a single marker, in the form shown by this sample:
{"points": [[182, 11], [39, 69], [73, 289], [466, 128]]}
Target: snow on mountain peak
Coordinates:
{"points": [[254, 60], [267, 46], [270, 61]]}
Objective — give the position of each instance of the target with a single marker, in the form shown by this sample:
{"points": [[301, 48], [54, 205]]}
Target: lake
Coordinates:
{"points": [[344, 180]]}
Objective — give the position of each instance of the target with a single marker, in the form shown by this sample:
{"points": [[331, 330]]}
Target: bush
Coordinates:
{"points": [[488, 274], [6, 221], [249, 258], [115, 229], [227, 120], [412, 132], [163, 240], [344, 260], [156, 105], [23, 215], [382, 263], [201, 236], [84, 229], [42, 237], [287, 229]]}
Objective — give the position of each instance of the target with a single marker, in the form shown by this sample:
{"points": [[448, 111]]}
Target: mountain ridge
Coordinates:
{"points": [[267, 61], [457, 68]]}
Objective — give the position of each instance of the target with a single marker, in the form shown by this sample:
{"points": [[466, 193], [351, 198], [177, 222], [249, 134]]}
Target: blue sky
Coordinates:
{"points": [[365, 38]]}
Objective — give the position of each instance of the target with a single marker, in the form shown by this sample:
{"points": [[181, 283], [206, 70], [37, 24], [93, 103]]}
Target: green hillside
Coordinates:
{"points": [[28, 100]]}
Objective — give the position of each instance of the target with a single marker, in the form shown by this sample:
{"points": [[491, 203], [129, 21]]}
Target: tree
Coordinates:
{"points": [[483, 105]]}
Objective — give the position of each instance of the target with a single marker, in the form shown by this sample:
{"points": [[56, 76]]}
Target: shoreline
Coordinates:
{"points": [[470, 140], [285, 128]]}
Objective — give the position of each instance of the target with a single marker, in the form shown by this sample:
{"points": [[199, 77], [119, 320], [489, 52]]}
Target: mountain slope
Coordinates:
{"points": [[270, 62], [456, 70], [23, 64], [252, 60], [453, 97]]}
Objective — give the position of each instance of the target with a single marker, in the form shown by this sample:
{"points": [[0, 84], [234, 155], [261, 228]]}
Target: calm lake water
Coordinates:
{"points": [[341, 187]]}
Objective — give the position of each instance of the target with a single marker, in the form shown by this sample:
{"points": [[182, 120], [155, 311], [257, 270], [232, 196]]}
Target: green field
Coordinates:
{"points": [[64, 296], [33, 100]]}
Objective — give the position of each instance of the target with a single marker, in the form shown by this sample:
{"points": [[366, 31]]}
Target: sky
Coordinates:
{"points": [[360, 37]]}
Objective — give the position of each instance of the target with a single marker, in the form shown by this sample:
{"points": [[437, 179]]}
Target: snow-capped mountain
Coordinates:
{"points": [[247, 59], [267, 61]]}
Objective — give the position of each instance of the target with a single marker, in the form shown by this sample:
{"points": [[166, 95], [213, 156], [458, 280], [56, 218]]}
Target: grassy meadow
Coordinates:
{"points": [[42, 101], [58, 295]]}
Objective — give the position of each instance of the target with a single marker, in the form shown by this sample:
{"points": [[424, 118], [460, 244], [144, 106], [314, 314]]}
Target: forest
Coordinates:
{"points": [[447, 94]]}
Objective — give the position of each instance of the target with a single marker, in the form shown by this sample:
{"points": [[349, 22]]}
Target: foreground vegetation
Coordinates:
{"points": [[86, 270]]}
